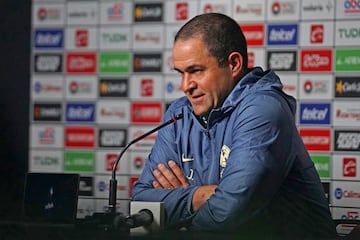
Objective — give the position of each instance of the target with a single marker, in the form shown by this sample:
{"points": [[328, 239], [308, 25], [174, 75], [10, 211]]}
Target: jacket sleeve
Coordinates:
{"points": [[177, 201], [260, 158]]}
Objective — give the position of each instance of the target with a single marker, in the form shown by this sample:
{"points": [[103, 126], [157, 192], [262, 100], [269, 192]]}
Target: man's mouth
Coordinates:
{"points": [[196, 99]]}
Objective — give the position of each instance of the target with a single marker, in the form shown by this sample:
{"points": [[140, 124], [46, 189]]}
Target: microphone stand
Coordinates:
{"points": [[113, 181], [111, 220]]}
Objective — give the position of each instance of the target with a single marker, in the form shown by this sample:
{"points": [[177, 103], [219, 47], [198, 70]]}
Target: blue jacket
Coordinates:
{"points": [[252, 150]]}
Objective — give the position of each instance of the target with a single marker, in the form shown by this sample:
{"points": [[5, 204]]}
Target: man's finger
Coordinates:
{"points": [[178, 173], [161, 179], [169, 175], [156, 185]]}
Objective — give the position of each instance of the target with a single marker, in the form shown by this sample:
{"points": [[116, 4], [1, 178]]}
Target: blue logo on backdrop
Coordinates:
{"points": [[49, 38], [338, 193], [280, 34], [102, 186], [170, 87], [38, 87], [80, 112], [315, 113]]}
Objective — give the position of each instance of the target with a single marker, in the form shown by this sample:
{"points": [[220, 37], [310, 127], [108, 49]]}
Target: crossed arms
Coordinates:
{"points": [[173, 178]]}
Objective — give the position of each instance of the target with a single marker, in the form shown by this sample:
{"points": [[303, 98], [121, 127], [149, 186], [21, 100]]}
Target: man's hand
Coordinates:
{"points": [[201, 195], [169, 178]]}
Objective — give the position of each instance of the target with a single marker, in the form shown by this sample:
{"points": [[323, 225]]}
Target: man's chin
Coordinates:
{"points": [[200, 113], [200, 110]]}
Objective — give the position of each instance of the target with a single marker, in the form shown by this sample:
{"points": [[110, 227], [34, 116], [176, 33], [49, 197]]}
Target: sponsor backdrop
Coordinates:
{"points": [[101, 75]]}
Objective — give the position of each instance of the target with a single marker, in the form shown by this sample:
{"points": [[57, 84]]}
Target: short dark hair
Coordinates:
{"points": [[220, 33]]}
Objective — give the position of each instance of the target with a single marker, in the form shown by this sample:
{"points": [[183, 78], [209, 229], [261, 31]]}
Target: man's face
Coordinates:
{"points": [[205, 84]]}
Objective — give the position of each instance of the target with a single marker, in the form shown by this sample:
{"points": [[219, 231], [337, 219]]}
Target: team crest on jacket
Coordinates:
{"points": [[224, 155]]}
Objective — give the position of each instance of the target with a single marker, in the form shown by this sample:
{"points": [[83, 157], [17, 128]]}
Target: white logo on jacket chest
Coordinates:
{"points": [[187, 159], [224, 155]]}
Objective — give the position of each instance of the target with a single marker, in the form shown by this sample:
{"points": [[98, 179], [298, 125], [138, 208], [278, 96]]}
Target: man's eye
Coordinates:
{"points": [[195, 71]]}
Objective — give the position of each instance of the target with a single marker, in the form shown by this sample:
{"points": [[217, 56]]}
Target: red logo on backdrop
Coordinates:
{"points": [[132, 181], [251, 59], [81, 62], [110, 159], [47, 136], [289, 88], [147, 141], [208, 8], [146, 112], [138, 162], [82, 137], [352, 215], [37, 112], [317, 33], [349, 167], [316, 139], [182, 11], [254, 34], [170, 64], [316, 60], [41, 13], [81, 38], [308, 86], [147, 87], [275, 8]]}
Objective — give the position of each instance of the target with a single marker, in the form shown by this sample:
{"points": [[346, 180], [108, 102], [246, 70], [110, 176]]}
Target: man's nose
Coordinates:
{"points": [[187, 83]]}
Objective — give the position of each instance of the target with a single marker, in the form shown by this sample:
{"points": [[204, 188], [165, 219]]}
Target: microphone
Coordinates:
{"points": [[143, 218], [113, 181]]}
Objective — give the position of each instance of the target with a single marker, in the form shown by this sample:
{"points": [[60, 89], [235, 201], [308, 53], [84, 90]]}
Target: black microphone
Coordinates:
{"points": [[143, 218], [113, 182]]}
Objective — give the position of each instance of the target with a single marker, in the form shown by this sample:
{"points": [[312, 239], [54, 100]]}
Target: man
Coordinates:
{"points": [[235, 162]]}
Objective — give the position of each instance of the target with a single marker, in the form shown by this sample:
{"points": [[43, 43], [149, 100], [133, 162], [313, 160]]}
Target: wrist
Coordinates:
{"points": [[201, 195]]}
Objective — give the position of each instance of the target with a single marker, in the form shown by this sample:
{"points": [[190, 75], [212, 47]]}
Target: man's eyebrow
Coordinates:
{"points": [[188, 68], [178, 70]]}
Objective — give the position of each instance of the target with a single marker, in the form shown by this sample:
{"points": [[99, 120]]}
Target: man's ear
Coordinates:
{"points": [[235, 63]]}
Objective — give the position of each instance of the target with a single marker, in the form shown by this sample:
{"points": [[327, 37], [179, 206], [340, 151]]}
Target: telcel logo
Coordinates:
{"points": [[315, 113], [49, 38], [80, 111], [282, 34]]}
